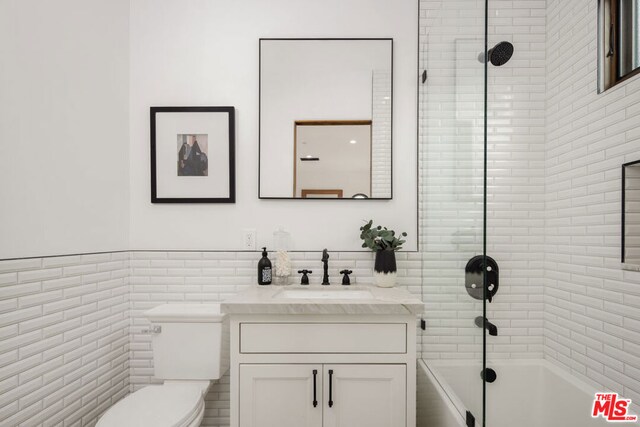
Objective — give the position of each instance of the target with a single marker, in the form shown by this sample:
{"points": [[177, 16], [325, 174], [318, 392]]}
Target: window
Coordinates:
{"points": [[618, 41]]}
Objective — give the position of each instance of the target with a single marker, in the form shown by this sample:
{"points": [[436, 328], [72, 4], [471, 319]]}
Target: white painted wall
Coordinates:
{"points": [[206, 53], [63, 127]]}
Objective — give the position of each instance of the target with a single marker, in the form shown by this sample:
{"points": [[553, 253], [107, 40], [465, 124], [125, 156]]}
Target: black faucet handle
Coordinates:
{"points": [[345, 277], [304, 280]]}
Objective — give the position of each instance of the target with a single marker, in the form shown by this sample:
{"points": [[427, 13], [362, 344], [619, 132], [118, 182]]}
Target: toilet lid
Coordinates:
{"points": [[155, 406]]}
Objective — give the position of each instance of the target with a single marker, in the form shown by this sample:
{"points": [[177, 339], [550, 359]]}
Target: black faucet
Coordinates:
{"points": [[325, 262], [483, 322]]}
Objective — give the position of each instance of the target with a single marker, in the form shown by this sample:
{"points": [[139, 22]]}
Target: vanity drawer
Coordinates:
{"points": [[323, 338]]}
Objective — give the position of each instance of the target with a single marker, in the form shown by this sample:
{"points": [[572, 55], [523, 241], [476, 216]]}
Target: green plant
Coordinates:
{"points": [[379, 238]]}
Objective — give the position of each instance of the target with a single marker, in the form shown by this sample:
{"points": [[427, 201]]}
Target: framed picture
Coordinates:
{"points": [[193, 155]]}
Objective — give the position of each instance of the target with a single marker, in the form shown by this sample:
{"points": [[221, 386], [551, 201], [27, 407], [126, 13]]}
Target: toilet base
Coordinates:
{"points": [[172, 404]]}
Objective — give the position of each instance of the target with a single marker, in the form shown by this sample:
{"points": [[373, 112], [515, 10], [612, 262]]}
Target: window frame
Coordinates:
{"points": [[608, 54]]}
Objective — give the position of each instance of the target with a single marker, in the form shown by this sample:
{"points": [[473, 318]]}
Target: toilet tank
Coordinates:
{"points": [[192, 342]]}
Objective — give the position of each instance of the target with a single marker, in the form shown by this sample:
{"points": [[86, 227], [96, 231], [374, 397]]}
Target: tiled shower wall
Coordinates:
{"points": [[451, 175], [450, 171], [632, 214], [515, 184], [64, 331], [592, 306], [555, 150]]}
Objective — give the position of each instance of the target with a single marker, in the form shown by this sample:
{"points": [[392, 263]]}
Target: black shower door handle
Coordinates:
{"points": [[330, 388], [612, 44], [315, 399]]}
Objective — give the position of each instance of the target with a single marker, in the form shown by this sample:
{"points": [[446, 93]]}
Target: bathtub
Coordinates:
{"points": [[527, 393]]}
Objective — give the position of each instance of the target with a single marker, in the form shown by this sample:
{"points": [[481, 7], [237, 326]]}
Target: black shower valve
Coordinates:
{"points": [[482, 277]]}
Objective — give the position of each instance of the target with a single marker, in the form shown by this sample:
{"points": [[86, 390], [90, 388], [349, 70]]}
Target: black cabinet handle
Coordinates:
{"points": [[330, 388], [315, 399]]}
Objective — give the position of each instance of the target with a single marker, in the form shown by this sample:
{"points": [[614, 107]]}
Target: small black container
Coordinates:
{"points": [[264, 269]]}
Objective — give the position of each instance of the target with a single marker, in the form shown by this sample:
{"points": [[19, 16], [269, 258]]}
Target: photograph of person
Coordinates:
{"points": [[192, 155]]}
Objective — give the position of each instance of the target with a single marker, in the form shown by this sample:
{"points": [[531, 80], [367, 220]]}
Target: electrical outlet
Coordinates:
{"points": [[249, 238]]}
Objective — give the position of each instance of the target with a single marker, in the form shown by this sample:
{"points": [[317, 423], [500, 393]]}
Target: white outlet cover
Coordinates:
{"points": [[249, 238]]}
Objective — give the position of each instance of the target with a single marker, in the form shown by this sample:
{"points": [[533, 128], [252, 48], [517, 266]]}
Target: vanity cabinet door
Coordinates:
{"points": [[280, 396], [365, 396]]}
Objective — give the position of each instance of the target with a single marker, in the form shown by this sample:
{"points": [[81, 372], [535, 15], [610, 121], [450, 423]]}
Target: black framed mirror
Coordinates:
{"points": [[326, 119]]}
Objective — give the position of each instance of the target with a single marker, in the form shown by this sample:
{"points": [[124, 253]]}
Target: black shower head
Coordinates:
{"points": [[501, 53]]}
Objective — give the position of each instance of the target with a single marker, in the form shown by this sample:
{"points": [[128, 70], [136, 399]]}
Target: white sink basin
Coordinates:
{"points": [[324, 294]]}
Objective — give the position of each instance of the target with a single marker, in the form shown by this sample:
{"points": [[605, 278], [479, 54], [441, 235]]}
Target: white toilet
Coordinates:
{"points": [[190, 348]]}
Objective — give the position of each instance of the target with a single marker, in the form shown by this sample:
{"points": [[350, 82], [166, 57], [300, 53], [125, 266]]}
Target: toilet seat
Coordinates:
{"points": [[167, 405]]}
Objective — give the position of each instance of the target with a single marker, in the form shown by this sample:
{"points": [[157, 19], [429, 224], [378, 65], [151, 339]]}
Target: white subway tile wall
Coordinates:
{"points": [[592, 306], [71, 327], [64, 331], [381, 134], [451, 175], [165, 277], [515, 184]]}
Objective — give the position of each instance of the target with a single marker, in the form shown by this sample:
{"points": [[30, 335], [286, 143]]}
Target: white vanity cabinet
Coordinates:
{"points": [[365, 395], [330, 395], [316, 356], [323, 370], [263, 388]]}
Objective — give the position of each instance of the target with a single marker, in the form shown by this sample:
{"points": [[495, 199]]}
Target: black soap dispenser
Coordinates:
{"points": [[264, 269]]}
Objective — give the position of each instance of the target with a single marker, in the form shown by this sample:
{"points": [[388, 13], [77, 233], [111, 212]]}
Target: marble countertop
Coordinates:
{"points": [[271, 300]]}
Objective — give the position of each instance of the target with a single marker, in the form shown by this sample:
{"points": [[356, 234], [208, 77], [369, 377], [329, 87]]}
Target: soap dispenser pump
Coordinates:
{"points": [[264, 269]]}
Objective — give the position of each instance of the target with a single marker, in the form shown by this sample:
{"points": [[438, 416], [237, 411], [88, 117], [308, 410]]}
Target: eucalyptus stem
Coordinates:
{"points": [[378, 238]]}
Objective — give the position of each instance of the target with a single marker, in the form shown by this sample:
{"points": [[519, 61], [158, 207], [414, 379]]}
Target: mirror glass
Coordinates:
{"points": [[332, 159], [325, 118]]}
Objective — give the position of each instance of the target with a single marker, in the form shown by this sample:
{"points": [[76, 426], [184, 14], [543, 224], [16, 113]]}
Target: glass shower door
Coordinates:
{"points": [[452, 99]]}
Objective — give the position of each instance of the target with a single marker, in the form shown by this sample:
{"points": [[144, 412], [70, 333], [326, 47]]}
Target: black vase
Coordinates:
{"points": [[385, 268]]}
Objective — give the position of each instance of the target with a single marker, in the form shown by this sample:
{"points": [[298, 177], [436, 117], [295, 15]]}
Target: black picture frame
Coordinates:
{"points": [[232, 161], [356, 200]]}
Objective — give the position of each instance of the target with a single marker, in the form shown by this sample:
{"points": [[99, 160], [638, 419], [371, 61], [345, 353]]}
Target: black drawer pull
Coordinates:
{"points": [[330, 388], [315, 400]]}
